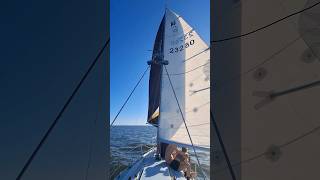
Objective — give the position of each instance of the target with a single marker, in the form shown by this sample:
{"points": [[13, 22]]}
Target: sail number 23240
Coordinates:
{"points": [[182, 47]]}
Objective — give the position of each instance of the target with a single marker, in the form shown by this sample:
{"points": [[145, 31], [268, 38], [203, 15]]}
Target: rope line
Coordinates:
{"points": [[222, 146], [266, 26], [184, 121], [44, 138], [115, 118]]}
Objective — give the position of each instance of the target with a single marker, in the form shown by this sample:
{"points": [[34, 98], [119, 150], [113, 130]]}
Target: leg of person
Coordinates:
{"points": [[182, 166], [175, 165], [187, 169], [189, 173]]}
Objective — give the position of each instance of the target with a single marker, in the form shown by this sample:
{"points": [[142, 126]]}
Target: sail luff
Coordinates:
{"points": [[155, 77]]}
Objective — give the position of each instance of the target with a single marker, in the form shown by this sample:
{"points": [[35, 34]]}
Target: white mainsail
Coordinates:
{"points": [[277, 137], [189, 70]]}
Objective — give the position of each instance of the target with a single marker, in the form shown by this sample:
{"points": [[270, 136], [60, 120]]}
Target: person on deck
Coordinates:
{"points": [[179, 160], [185, 165], [170, 156]]}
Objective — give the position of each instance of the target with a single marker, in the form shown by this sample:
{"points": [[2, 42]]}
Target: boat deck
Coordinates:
{"points": [[148, 168], [159, 170]]}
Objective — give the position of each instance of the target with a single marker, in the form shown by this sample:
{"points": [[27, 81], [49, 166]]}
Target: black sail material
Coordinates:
{"points": [[155, 76]]}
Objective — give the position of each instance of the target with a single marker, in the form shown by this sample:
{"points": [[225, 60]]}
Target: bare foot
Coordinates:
{"points": [[193, 174]]}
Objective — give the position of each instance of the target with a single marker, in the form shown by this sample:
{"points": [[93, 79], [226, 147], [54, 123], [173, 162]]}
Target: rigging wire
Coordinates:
{"points": [[115, 118], [44, 138], [266, 26], [118, 113], [174, 93], [222, 146]]}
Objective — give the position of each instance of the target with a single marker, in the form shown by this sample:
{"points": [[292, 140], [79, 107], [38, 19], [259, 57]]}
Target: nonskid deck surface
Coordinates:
{"points": [[159, 170], [155, 170], [148, 168]]}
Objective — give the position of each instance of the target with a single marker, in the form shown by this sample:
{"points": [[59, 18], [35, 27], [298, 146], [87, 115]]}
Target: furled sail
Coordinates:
{"points": [[271, 85], [188, 67], [155, 77]]}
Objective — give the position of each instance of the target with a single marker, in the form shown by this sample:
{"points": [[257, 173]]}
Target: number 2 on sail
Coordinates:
{"points": [[181, 48]]}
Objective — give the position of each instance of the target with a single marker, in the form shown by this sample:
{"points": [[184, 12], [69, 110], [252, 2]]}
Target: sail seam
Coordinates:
{"points": [[174, 74], [206, 148], [197, 54], [189, 126], [200, 106]]}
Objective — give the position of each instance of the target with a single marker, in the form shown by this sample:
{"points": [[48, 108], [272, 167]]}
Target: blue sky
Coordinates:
{"points": [[133, 27]]}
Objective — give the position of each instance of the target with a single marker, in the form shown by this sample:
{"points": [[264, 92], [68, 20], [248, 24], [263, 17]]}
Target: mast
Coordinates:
{"points": [[163, 62], [155, 81]]}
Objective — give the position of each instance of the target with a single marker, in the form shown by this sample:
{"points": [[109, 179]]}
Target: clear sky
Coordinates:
{"points": [[133, 27]]}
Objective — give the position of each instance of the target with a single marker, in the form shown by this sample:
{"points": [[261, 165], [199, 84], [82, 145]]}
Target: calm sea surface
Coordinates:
{"points": [[128, 143]]}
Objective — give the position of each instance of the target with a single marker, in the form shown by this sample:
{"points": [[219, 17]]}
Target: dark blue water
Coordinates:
{"points": [[125, 138]]}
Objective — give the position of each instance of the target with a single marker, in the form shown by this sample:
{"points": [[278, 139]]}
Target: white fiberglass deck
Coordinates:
{"points": [[148, 168], [159, 170]]}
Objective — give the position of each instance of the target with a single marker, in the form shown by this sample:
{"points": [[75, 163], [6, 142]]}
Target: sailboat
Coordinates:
{"points": [[266, 100], [179, 98]]}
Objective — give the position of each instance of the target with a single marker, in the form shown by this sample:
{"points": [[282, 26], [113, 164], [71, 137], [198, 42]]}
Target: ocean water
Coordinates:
{"points": [[128, 143]]}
